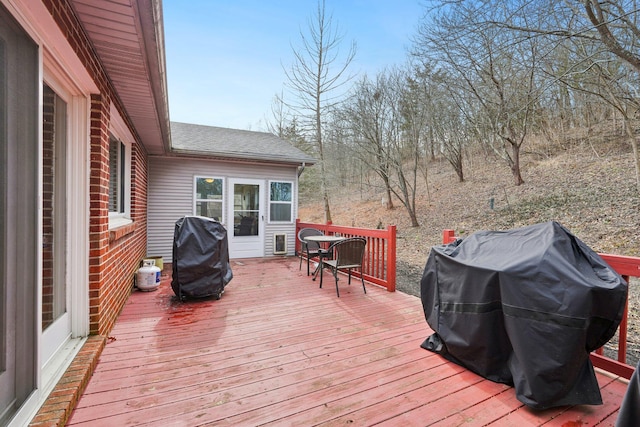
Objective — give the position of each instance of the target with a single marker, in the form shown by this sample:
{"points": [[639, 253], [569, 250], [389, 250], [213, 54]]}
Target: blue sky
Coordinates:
{"points": [[225, 58]]}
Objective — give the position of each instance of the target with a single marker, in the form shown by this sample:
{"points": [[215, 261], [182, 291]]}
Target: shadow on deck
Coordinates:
{"points": [[277, 350]]}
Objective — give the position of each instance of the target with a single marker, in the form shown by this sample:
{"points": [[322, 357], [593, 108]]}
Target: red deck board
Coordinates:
{"points": [[234, 374], [374, 405], [276, 349]]}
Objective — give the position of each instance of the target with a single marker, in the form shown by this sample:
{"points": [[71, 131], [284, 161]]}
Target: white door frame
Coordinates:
{"points": [[245, 246]]}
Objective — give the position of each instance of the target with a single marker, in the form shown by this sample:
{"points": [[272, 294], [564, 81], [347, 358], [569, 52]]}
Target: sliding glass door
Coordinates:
{"points": [[19, 151]]}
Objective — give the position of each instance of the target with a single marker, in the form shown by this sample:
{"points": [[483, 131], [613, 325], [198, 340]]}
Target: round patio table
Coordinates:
{"points": [[322, 239]]}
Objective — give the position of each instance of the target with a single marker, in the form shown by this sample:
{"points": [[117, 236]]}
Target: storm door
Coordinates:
{"points": [[246, 218]]}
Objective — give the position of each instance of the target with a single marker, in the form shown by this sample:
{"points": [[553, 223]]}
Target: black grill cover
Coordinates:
{"points": [[524, 307], [200, 258]]}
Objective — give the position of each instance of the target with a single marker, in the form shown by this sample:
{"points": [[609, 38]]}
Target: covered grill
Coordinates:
{"points": [[524, 307], [200, 258]]}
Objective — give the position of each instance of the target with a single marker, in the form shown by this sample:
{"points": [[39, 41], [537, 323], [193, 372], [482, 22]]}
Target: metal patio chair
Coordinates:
{"points": [[312, 249], [348, 254]]}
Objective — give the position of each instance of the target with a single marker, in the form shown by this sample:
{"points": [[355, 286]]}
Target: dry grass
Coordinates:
{"points": [[590, 190]]}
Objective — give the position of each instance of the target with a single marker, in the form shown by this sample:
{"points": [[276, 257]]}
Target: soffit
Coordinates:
{"points": [[128, 37]]}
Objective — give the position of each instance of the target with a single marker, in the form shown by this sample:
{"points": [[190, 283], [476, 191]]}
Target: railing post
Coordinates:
{"points": [[448, 236], [391, 258], [296, 245], [622, 330]]}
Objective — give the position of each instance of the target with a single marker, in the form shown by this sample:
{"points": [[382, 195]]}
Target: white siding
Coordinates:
{"points": [[170, 197]]}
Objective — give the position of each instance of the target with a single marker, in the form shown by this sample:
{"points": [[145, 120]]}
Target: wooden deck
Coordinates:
{"points": [[276, 350]]}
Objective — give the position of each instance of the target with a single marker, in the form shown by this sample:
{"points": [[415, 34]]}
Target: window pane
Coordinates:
{"points": [[280, 212], [280, 192], [114, 175], [54, 114], [208, 188], [209, 209], [246, 209], [245, 223]]}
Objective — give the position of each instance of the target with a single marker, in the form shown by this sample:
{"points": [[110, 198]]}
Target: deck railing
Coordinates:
{"points": [[380, 253], [627, 267]]}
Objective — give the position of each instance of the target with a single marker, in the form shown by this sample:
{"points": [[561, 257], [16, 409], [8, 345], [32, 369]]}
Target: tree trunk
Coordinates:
{"points": [[634, 145], [389, 199], [515, 165], [414, 218]]}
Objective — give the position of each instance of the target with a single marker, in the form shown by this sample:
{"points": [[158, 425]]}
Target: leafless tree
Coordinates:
{"points": [[612, 24], [385, 128], [409, 140], [369, 120], [318, 72], [489, 64], [440, 115], [600, 33], [279, 116]]}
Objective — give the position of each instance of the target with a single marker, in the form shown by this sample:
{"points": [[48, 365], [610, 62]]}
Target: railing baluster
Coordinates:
{"points": [[622, 330]]}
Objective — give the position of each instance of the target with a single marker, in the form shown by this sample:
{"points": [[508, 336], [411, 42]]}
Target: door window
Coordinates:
{"points": [[246, 209]]}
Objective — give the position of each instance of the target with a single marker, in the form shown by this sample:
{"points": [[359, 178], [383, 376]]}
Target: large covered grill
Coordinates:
{"points": [[524, 307]]}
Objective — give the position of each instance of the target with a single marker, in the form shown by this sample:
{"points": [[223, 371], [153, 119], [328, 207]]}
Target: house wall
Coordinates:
{"points": [[171, 196], [114, 254]]}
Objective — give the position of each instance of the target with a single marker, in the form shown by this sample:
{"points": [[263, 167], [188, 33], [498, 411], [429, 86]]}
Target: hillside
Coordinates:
{"points": [[589, 187]]}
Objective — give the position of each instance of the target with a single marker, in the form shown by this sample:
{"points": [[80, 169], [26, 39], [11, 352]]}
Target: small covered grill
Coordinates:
{"points": [[201, 265]]}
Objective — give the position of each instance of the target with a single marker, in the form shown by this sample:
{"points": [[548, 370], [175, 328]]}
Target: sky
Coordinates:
{"points": [[226, 58]]}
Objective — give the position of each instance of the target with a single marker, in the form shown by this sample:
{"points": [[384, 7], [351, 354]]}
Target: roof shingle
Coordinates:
{"points": [[236, 144]]}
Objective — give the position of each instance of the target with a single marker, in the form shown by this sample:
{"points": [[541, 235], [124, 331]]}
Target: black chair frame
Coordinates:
{"points": [[312, 249], [348, 254]]}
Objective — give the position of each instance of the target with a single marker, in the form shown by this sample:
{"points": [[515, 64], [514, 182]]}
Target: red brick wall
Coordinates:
{"points": [[114, 255]]}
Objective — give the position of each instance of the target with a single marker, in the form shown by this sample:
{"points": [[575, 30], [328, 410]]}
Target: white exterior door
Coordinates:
{"points": [[246, 218]]}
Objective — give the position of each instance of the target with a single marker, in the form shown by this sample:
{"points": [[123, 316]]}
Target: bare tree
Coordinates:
{"points": [[592, 27], [486, 62], [386, 129], [437, 111], [609, 82], [408, 141], [279, 116], [317, 73], [615, 26], [368, 117]]}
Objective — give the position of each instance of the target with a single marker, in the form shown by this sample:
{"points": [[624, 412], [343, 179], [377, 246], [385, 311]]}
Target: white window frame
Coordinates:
{"points": [[196, 199], [78, 177], [120, 131], [284, 181]]}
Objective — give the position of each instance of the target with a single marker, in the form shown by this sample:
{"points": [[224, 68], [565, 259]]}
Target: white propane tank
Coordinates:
{"points": [[148, 277]]}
